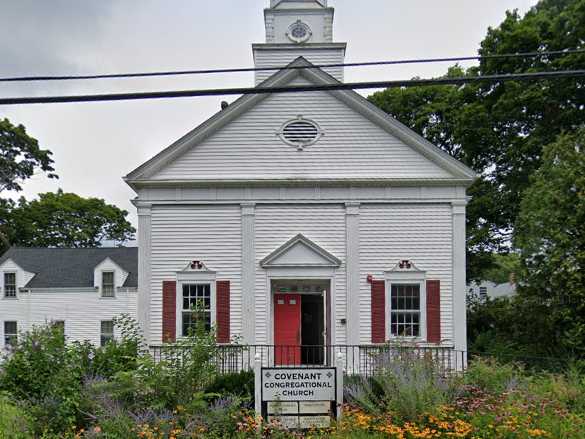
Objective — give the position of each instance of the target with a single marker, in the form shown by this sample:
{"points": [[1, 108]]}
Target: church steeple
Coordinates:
{"points": [[298, 28]]}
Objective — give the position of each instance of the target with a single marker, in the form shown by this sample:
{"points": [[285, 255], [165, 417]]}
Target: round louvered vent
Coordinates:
{"points": [[300, 132]]}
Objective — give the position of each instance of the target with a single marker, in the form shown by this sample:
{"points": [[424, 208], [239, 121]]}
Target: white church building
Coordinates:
{"points": [[302, 219], [313, 218]]}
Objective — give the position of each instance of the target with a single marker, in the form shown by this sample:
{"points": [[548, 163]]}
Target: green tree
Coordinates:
{"points": [[20, 158], [550, 234], [67, 220], [499, 129]]}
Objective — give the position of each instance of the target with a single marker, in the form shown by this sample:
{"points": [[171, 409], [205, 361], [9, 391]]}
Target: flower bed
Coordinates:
{"points": [[50, 390]]}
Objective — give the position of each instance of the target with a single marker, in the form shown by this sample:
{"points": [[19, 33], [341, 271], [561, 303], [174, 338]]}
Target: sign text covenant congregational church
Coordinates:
{"points": [[281, 384]]}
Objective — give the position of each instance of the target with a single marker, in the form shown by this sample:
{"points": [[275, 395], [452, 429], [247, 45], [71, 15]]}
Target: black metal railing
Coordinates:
{"points": [[364, 360]]}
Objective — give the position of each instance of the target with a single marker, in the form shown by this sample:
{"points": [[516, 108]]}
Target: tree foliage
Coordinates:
{"points": [[20, 157], [499, 129], [67, 220], [550, 234]]}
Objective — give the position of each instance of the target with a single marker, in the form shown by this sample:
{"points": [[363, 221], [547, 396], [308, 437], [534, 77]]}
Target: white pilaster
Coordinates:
{"points": [[144, 269], [248, 272], [459, 300], [352, 268]]}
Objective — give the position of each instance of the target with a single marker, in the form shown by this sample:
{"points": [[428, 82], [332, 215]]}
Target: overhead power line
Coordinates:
{"points": [[540, 54], [293, 89]]}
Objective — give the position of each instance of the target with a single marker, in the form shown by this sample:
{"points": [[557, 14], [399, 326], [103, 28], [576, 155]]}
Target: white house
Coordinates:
{"points": [[484, 289], [303, 219], [82, 290]]}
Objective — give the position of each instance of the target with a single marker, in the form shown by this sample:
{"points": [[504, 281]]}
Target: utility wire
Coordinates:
{"points": [[274, 68], [293, 89]]}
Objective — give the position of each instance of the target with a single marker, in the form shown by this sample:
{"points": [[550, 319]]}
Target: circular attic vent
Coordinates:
{"points": [[300, 132]]}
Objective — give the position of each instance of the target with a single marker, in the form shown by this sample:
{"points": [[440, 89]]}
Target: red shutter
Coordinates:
{"points": [[222, 320], [434, 311], [378, 311], [169, 311]]}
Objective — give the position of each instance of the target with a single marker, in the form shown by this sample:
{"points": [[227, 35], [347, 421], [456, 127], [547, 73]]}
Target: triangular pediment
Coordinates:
{"points": [[360, 143], [300, 252]]}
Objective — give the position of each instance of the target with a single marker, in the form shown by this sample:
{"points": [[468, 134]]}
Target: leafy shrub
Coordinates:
{"points": [[14, 423], [120, 354], [45, 374], [491, 376], [405, 386], [235, 384]]}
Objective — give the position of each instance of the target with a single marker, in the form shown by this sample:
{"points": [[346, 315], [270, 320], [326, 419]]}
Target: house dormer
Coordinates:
{"points": [[12, 278], [108, 277]]}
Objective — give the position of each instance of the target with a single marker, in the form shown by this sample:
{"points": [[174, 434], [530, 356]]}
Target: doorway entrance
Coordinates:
{"points": [[301, 330]]}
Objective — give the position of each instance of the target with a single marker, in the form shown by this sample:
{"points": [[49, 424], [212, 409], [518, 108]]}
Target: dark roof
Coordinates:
{"points": [[71, 267]]}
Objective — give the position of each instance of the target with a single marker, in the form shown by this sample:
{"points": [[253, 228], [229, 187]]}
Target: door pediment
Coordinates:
{"points": [[300, 252]]}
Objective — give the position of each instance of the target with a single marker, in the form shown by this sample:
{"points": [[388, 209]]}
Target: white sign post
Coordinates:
{"points": [[299, 397]]}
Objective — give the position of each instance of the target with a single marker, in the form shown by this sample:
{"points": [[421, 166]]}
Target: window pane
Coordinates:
{"points": [[107, 332], [191, 322], [196, 297], [60, 325], [108, 284], [10, 333], [405, 310], [10, 284]]}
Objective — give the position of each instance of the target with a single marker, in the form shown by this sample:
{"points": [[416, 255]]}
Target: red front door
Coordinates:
{"points": [[287, 329]]}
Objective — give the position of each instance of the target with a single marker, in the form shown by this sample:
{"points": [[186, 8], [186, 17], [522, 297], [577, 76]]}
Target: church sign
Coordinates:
{"points": [[299, 397]]}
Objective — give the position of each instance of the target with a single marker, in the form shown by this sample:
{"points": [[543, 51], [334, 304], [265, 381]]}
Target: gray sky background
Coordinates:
{"points": [[95, 144]]}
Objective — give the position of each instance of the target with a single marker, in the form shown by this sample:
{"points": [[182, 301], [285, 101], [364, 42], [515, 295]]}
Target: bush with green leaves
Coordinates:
{"points": [[45, 373], [405, 385], [491, 376], [236, 384], [14, 423]]}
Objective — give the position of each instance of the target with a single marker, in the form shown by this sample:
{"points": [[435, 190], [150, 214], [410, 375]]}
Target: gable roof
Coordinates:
{"points": [[71, 267], [141, 175], [300, 251]]}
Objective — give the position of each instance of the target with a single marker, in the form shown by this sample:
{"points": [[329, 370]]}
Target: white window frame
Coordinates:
{"points": [[194, 278], [113, 331], [4, 335], [113, 296], [15, 285], [406, 278]]}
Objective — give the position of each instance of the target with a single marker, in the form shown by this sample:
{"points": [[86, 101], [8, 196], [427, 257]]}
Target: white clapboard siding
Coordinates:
{"points": [[420, 233], [82, 311], [181, 234], [275, 225], [281, 58], [352, 147]]}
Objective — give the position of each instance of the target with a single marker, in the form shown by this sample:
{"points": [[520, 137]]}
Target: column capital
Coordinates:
{"points": [[248, 209], [458, 206], [144, 209], [352, 208]]}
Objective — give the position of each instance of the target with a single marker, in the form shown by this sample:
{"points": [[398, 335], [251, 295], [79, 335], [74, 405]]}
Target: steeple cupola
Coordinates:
{"points": [[298, 28]]}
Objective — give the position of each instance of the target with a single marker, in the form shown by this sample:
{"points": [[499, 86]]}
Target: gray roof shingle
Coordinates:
{"points": [[71, 267]]}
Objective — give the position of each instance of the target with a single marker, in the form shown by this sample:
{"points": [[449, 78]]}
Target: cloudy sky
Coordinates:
{"points": [[95, 144]]}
